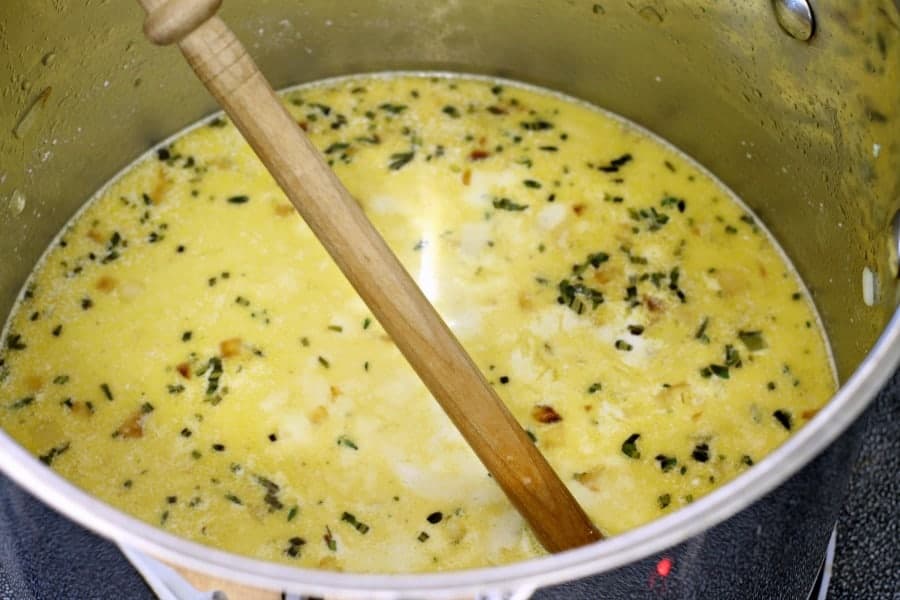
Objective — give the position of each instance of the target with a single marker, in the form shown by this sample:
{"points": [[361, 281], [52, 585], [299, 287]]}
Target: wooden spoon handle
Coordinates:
{"points": [[223, 65]]}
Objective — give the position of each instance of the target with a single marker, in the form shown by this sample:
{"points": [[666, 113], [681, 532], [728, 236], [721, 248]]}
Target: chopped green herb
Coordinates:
{"points": [[336, 147], [233, 499], [666, 463], [324, 362], [672, 201], [423, 536], [366, 322], [345, 441], [631, 295], [623, 345], [538, 125], [594, 260], [701, 331], [238, 199], [507, 204], [51, 455], [753, 340], [326, 110], [394, 109], [451, 111], [615, 164], [573, 293], [574, 296], [294, 546], [215, 374], [21, 403], [400, 160], [358, 525], [329, 539], [531, 183], [292, 513], [719, 371], [271, 497], [14, 342], [732, 357], [629, 446], [701, 452], [594, 387], [106, 391], [655, 220], [784, 417], [61, 379]]}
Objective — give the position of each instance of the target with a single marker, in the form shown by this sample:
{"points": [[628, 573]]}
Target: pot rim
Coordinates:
{"points": [[840, 412]]}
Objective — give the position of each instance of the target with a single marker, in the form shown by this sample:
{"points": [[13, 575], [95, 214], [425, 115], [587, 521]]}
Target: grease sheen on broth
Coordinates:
{"points": [[189, 353]]}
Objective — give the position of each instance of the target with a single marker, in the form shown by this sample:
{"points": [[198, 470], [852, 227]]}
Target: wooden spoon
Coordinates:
{"points": [[222, 64]]}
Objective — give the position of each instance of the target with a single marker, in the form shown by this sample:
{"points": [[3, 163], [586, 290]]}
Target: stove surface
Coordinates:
{"points": [[43, 555]]}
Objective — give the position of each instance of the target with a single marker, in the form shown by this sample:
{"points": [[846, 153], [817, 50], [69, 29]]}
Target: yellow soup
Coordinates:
{"points": [[187, 351]]}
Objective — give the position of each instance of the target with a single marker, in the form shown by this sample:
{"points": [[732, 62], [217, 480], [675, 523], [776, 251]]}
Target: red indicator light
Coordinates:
{"points": [[664, 567]]}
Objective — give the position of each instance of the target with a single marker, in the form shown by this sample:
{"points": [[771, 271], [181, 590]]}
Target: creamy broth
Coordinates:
{"points": [[187, 351]]}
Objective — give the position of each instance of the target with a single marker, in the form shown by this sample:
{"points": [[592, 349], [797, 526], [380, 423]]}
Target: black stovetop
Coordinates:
{"points": [[43, 555]]}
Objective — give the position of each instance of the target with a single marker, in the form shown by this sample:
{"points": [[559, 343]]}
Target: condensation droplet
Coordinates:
{"points": [[869, 287], [651, 15], [31, 114], [17, 202]]}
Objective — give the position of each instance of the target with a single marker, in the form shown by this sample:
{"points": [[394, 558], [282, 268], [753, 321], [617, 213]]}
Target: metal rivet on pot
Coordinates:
{"points": [[795, 17]]}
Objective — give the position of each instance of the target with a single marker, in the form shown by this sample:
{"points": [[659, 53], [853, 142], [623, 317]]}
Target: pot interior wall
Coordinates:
{"points": [[806, 132]]}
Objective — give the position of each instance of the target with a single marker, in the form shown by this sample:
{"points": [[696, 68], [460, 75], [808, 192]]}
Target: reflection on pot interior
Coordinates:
{"points": [[188, 352]]}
